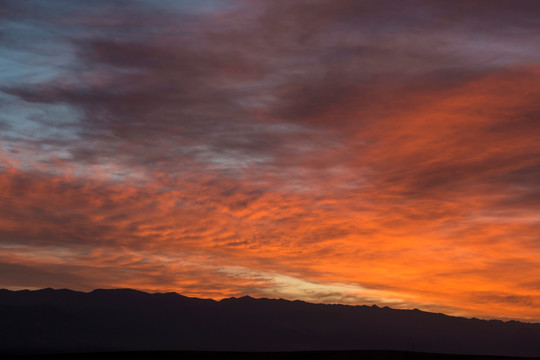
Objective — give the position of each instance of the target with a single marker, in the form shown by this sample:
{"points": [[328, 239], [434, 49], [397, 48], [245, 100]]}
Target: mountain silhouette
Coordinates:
{"points": [[55, 321]]}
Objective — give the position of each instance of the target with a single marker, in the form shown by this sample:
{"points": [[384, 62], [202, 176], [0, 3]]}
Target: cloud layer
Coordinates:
{"points": [[336, 151]]}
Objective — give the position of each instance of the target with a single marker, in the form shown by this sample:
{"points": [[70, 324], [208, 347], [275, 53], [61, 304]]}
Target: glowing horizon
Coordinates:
{"points": [[356, 152]]}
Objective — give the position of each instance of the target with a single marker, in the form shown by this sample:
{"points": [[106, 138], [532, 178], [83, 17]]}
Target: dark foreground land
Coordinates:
{"points": [[290, 355], [134, 324]]}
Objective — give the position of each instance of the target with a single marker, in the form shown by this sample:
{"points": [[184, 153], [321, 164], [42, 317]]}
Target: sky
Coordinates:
{"points": [[335, 151]]}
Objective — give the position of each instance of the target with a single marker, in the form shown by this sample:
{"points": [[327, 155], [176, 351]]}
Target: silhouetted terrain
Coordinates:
{"points": [[50, 321], [231, 355]]}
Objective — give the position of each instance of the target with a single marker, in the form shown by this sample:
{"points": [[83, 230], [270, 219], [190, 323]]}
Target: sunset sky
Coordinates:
{"points": [[338, 151]]}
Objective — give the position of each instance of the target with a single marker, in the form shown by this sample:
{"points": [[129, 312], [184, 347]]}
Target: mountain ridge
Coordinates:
{"points": [[248, 297], [64, 320]]}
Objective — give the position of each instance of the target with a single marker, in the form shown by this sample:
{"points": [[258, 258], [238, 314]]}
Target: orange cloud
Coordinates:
{"points": [[364, 155]]}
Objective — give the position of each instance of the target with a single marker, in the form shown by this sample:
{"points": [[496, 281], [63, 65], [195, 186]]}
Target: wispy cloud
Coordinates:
{"points": [[348, 151]]}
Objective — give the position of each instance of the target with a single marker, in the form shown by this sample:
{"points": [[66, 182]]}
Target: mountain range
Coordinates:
{"points": [[56, 321]]}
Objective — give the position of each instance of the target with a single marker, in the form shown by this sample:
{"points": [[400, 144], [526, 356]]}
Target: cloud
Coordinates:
{"points": [[382, 150]]}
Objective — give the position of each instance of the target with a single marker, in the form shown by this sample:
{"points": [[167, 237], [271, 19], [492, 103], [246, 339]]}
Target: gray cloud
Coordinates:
{"points": [[267, 133]]}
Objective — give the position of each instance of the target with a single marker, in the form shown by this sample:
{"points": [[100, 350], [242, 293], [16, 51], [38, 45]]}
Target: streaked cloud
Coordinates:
{"points": [[334, 151]]}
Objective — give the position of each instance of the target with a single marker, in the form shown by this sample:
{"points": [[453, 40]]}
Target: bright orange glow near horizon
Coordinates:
{"points": [[356, 152]]}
